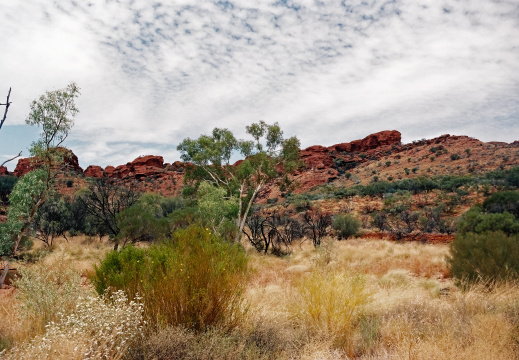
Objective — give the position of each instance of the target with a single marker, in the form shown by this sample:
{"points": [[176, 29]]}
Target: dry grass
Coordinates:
{"points": [[309, 305], [414, 310]]}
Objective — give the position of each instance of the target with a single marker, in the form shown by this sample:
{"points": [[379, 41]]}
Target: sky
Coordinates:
{"points": [[152, 73]]}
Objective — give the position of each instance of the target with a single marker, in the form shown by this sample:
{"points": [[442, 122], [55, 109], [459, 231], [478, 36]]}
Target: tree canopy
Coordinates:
{"points": [[267, 156]]}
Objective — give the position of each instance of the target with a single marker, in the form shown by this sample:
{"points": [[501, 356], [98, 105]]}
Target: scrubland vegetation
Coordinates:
{"points": [[361, 298], [110, 273]]}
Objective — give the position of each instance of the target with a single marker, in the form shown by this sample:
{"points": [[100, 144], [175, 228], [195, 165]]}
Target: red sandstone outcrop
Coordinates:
{"points": [[109, 171], [3, 171], [139, 168], [373, 141], [27, 164], [94, 171], [317, 157]]}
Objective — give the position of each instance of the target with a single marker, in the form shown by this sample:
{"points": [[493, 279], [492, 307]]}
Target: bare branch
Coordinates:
{"points": [[11, 159], [7, 103]]}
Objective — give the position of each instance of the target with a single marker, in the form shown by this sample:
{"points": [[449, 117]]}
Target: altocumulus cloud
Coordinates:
{"points": [[153, 73]]}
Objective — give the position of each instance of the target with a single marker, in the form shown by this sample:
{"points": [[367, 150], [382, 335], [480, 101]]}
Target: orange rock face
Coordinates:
{"points": [[141, 167], [27, 164], [3, 171], [373, 141], [94, 171]]}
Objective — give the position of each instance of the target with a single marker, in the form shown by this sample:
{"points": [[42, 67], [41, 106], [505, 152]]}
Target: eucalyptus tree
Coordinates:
{"points": [[54, 111], [267, 157]]}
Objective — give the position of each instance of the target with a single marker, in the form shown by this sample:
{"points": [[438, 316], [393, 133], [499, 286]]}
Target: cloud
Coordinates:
{"points": [[154, 73]]}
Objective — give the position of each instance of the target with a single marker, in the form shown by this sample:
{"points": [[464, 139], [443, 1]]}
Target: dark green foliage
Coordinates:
{"points": [[195, 280], [52, 219], [346, 225], [170, 204], [103, 200], [490, 256], [455, 157], [6, 186], [498, 213], [137, 223], [477, 221], [182, 218], [503, 201], [512, 177], [449, 183], [487, 244]]}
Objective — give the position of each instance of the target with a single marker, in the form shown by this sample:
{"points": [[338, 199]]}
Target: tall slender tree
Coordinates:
{"points": [[268, 157], [54, 112]]}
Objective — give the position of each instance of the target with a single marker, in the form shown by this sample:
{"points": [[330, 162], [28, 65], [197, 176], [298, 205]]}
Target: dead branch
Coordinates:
{"points": [[11, 159], [7, 103]]}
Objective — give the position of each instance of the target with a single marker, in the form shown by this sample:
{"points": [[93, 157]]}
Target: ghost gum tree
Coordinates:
{"points": [[54, 112], [267, 157]]}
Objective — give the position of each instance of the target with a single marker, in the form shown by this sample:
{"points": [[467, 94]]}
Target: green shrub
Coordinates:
{"points": [[195, 280], [489, 256], [503, 201], [455, 157], [345, 225], [493, 215], [137, 223]]}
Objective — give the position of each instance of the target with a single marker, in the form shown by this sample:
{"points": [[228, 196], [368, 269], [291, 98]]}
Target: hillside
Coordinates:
{"points": [[380, 156]]}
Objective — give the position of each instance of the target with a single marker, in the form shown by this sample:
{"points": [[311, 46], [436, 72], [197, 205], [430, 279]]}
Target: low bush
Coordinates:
{"points": [[346, 225], [503, 201], [137, 223], [489, 257], [195, 280]]}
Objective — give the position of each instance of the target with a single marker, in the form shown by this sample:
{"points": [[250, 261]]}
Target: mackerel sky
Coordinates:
{"points": [[152, 73]]}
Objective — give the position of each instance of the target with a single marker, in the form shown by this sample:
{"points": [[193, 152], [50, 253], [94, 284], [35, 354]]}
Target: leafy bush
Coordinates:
{"points": [[346, 225], [493, 215], [455, 157], [487, 244], [137, 223], [489, 256], [195, 280], [503, 201], [52, 219]]}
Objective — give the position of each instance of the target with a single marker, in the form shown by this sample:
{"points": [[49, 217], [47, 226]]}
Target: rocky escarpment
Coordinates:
{"points": [[325, 164], [70, 162], [380, 155]]}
